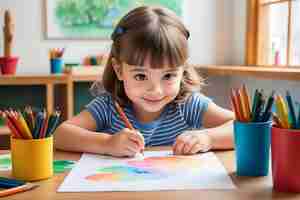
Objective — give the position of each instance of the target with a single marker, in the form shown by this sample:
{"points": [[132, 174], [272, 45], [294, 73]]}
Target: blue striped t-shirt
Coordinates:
{"points": [[174, 120]]}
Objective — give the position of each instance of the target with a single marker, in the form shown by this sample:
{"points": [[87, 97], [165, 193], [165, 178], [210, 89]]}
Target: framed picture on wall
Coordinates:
{"points": [[92, 19]]}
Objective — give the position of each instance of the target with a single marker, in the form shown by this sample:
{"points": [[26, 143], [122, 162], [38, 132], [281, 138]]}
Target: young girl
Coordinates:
{"points": [[147, 75]]}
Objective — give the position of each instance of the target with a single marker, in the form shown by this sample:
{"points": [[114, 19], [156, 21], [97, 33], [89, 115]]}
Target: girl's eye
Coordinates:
{"points": [[140, 77], [169, 76]]}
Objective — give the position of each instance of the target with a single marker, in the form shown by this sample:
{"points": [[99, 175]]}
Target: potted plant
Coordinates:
{"points": [[8, 63]]}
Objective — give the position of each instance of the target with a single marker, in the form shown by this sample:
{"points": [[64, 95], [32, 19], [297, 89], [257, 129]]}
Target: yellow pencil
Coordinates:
{"points": [[243, 105], [247, 101], [25, 127], [282, 111]]}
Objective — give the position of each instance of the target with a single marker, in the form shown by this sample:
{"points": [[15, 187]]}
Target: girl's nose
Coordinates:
{"points": [[155, 88]]}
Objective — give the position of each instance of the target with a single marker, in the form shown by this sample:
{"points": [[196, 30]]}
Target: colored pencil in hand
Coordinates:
{"points": [[125, 119]]}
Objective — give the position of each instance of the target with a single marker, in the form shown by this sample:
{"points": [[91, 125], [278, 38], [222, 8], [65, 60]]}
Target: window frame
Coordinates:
{"points": [[256, 22]]}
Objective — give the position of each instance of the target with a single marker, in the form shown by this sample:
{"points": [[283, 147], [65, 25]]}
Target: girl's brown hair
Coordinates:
{"points": [[149, 31]]}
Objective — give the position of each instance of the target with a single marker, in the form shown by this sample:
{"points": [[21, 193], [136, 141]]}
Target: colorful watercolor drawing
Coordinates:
{"points": [[152, 168], [93, 19], [157, 171]]}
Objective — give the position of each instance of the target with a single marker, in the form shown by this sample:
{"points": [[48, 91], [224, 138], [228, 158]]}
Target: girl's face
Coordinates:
{"points": [[150, 89]]}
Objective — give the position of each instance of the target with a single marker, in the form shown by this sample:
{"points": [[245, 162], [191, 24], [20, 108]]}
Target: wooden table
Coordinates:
{"points": [[247, 187]]}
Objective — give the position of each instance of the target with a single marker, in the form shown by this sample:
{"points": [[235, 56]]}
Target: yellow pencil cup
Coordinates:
{"points": [[32, 160]]}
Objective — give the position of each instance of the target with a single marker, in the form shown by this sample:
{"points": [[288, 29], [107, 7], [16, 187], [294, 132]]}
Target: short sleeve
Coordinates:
{"points": [[100, 110], [194, 109]]}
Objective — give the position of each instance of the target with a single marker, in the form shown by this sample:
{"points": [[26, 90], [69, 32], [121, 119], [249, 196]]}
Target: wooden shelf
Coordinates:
{"points": [[266, 72], [32, 79]]}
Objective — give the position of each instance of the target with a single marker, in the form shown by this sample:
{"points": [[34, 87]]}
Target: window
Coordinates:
{"points": [[273, 35]]}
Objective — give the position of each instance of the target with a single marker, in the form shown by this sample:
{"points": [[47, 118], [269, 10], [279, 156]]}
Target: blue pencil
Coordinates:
{"points": [[298, 123], [38, 126], [268, 110], [291, 109], [54, 123], [10, 183]]}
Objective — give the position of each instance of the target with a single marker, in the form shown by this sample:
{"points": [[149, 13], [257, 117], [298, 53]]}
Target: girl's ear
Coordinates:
{"points": [[117, 68]]}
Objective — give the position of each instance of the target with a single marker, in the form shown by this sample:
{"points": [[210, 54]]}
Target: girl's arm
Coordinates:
{"points": [[78, 134], [218, 133], [219, 126]]}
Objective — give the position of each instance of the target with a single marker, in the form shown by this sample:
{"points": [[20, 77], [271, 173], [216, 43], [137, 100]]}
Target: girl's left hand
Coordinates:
{"points": [[191, 143]]}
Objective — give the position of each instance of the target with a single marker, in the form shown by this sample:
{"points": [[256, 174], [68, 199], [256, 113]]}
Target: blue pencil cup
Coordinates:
{"points": [[252, 148], [56, 65]]}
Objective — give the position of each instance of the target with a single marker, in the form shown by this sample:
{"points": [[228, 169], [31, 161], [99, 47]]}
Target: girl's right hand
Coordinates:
{"points": [[125, 143]]}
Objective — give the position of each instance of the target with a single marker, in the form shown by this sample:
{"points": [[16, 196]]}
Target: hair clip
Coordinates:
{"points": [[119, 30]]}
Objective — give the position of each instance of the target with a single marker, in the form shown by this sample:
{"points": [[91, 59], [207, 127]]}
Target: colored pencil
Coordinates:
{"points": [[14, 190], [298, 121], [45, 125], [282, 111], [291, 109], [234, 105], [124, 118], [26, 131], [268, 110], [240, 106], [240, 100], [39, 121], [29, 125], [9, 183], [243, 105], [14, 124], [13, 129], [247, 101], [54, 124], [259, 106], [254, 105]]}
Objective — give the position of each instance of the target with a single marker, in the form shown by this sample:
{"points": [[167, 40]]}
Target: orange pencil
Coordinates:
{"points": [[14, 190], [240, 106], [234, 105], [243, 105], [124, 118], [247, 101]]}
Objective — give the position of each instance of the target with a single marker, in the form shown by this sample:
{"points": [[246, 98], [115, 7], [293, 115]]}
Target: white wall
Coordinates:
{"points": [[208, 21], [210, 25]]}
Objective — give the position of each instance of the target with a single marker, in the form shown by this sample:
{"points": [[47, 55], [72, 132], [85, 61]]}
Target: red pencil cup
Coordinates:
{"points": [[285, 144]]}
